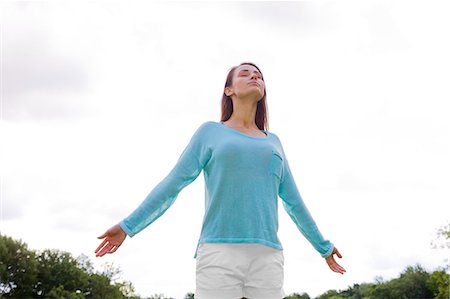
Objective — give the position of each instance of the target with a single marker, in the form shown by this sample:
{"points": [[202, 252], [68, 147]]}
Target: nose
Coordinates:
{"points": [[253, 76]]}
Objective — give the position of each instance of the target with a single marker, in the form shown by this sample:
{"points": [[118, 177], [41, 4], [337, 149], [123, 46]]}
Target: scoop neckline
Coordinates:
{"points": [[242, 134]]}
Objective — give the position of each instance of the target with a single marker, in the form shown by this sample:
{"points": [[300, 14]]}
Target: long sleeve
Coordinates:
{"points": [[297, 210], [186, 170]]}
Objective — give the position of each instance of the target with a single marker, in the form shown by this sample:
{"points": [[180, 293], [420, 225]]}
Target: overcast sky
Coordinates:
{"points": [[99, 99]]}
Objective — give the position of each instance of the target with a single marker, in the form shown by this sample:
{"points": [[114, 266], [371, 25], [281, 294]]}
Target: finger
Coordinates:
{"points": [[335, 269], [101, 245], [101, 252], [338, 268], [114, 249], [102, 236], [104, 250], [338, 253], [110, 248]]}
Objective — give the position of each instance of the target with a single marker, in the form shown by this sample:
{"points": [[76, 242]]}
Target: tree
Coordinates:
{"points": [[353, 292], [331, 294], [189, 296], [59, 269], [439, 284], [60, 293], [366, 289], [412, 283], [18, 268], [52, 273], [298, 296], [99, 286]]}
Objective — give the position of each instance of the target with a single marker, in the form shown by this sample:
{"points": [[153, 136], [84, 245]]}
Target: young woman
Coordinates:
{"points": [[245, 170]]}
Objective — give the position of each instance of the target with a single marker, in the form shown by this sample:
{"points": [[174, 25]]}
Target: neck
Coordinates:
{"points": [[244, 113]]}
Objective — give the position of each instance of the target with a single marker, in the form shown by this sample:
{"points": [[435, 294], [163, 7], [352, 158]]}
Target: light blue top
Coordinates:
{"points": [[244, 175]]}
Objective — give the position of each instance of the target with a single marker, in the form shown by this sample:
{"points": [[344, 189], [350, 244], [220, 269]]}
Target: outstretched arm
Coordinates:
{"points": [[299, 213], [186, 170], [113, 238], [297, 210]]}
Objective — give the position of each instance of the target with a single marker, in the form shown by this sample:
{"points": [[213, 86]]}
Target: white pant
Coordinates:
{"points": [[236, 270]]}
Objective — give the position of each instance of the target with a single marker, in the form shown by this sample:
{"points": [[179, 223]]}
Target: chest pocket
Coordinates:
{"points": [[276, 165]]}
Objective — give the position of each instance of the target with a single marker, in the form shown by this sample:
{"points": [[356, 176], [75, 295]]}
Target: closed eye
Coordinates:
{"points": [[246, 73]]}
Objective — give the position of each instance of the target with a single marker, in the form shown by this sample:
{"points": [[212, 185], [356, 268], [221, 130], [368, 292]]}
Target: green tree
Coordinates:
{"points": [[61, 293], [99, 286], [58, 268], [18, 268], [366, 290], [331, 294], [412, 283], [53, 273], [353, 292], [298, 296], [439, 284]]}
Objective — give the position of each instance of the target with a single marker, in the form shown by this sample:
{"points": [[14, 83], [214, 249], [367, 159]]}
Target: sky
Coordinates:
{"points": [[99, 99]]}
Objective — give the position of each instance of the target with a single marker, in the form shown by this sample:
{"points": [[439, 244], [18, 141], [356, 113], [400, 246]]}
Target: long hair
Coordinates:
{"points": [[261, 117]]}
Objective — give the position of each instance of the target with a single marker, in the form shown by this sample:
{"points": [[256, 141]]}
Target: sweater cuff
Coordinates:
{"points": [[328, 252], [126, 229]]}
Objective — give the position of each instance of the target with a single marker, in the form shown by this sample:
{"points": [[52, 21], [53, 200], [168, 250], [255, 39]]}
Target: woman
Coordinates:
{"points": [[245, 169]]}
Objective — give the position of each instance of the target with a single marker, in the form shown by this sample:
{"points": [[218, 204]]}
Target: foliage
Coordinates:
{"points": [[330, 294], [414, 282], [59, 269], [18, 268], [439, 284], [298, 296], [52, 273], [56, 274]]}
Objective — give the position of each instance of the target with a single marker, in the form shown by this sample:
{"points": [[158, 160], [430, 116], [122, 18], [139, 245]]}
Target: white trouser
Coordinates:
{"points": [[236, 270]]}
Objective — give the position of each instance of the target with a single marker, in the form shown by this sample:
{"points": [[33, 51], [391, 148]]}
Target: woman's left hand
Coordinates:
{"points": [[334, 266]]}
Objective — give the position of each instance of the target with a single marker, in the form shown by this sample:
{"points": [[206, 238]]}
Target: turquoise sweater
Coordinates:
{"points": [[244, 175]]}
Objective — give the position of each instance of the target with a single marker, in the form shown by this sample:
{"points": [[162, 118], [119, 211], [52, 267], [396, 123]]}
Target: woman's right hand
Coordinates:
{"points": [[113, 238]]}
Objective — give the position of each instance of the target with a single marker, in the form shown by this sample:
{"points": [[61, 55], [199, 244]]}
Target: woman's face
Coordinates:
{"points": [[247, 81]]}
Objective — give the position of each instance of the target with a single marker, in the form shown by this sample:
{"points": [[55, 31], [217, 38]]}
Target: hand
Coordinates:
{"points": [[113, 238], [335, 267]]}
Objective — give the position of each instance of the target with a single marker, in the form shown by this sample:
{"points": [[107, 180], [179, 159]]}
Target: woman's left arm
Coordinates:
{"points": [[299, 213]]}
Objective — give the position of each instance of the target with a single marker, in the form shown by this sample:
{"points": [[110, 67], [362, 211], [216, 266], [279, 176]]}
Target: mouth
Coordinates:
{"points": [[253, 83]]}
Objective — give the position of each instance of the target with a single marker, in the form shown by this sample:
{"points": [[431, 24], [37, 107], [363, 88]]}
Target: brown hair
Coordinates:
{"points": [[261, 118]]}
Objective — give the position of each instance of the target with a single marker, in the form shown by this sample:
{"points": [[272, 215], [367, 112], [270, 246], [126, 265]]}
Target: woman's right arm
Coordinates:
{"points": [[187, 169]]}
